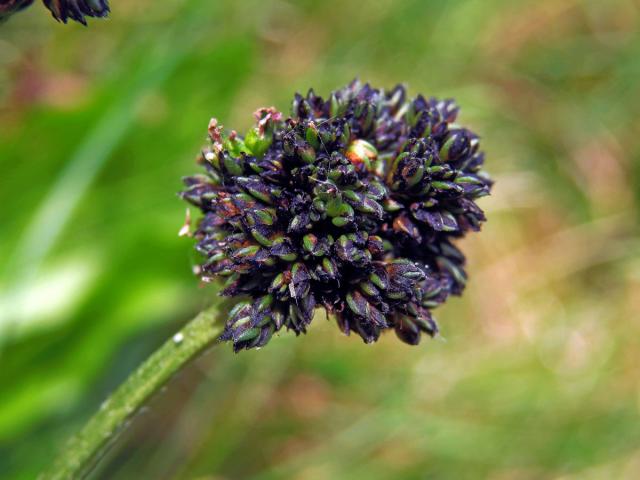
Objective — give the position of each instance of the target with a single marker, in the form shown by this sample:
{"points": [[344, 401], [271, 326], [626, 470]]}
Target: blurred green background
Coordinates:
{"points": [[537, 372]]}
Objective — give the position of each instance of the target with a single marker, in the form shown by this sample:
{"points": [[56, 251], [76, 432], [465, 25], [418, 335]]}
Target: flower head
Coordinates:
{"points": [[350, 204], [61, 10], [77, 10]]}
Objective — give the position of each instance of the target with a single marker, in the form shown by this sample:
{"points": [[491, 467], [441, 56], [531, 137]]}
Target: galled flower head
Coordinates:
{"points": [[350, 204]]}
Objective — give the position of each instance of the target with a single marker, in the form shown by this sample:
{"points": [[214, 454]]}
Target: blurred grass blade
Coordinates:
{"points": [[92, 154], [90, 158]]}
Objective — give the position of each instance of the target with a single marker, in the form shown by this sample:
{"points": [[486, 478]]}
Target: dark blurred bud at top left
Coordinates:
{"points": [[61, 10], [9, 7]]}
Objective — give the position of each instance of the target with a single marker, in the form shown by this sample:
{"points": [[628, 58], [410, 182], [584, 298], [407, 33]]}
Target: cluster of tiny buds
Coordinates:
{"points": [[352, 204]]}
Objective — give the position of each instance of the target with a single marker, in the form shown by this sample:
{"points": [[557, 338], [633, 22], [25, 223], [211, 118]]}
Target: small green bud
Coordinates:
{"points": [[256, 142], [311, 136], [309, 242]]}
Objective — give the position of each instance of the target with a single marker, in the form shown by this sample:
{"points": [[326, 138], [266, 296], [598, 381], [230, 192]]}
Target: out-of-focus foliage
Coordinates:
{"points": [[538, 376]]}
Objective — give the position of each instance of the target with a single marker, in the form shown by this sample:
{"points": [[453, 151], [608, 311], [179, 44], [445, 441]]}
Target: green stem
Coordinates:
{"points": [[85, 448]]}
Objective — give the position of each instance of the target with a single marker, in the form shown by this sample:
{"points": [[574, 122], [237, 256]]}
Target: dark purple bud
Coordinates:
{"points": [[438, 220], [299, 284], [456, 145], [403, 224]]}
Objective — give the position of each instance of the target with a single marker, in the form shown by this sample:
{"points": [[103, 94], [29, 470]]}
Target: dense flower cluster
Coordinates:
{"points": [[62, 10], [350, 204]]}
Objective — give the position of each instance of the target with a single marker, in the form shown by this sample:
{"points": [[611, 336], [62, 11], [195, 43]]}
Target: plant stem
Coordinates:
{"points": [[86, 447]]}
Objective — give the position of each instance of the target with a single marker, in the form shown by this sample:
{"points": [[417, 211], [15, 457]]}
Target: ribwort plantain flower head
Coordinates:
{"points": [[352, 204]]}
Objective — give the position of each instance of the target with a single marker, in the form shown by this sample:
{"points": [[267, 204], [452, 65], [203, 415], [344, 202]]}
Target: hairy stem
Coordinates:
{"points": [[86, 447]]}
